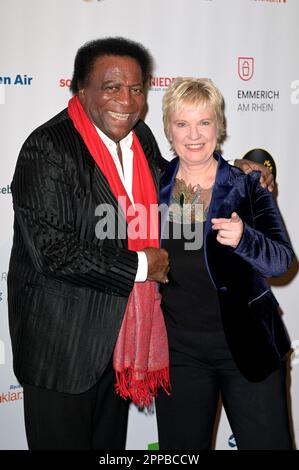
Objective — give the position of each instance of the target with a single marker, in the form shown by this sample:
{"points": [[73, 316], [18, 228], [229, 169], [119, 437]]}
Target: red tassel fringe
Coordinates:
{"points": [[142, 392]]}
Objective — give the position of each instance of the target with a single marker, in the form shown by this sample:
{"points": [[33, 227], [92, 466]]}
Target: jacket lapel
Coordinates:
{"points": [[222, 186], [218, 207], [221, 189], [166, 185]]}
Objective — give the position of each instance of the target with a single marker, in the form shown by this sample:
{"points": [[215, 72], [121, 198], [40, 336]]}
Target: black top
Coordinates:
{"points": [[190, 299]]}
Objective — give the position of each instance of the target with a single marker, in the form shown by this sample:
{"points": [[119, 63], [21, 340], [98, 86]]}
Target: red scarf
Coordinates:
{"points": [[140, 359]]}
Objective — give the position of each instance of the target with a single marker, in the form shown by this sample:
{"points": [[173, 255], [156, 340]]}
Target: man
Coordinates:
{"points": [[72, 293]]}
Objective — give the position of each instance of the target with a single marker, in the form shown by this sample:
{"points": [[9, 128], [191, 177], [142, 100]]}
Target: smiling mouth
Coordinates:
{"points": [[119, 116], [194, 146]]}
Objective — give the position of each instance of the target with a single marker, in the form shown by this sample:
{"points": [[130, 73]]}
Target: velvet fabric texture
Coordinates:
{"points": [[67, 289], [254, 330]]}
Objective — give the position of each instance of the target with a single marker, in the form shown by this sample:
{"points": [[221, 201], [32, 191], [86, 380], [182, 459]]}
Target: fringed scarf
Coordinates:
{"points": [[140, 358]]}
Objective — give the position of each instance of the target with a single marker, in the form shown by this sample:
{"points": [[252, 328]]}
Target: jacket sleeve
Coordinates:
{"points": [[42, 192], [264, 245]]}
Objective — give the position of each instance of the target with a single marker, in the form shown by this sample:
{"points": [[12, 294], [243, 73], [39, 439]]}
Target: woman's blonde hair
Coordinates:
{"points": [[196, 91]]}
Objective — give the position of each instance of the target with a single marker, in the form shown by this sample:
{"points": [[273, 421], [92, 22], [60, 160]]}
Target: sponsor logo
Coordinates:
{"points": [[15, 393], [19, 79], [5, 189], [159, 83], [2, 352], [155, 83], [295, 94], [16, 80], [231, 442], [153, 446], [258, 100], [245, 68], [4, 276], [262, 156], [65, 82], [271, 1]]}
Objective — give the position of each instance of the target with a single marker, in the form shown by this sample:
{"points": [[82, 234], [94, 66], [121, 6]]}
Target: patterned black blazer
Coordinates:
{"points": [[67, 290]]}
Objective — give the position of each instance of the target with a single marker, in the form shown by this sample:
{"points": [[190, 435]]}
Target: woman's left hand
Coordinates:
{"points": [[229, 230]]}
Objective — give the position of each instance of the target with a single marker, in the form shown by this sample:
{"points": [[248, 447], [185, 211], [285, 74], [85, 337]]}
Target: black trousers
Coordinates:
{"points": [[93, 420], [202, 368]]}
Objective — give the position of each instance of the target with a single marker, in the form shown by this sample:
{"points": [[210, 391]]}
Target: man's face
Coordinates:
{"points": [[113, 95]]}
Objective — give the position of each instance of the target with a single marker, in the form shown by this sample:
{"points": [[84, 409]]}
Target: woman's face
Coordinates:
{"points": [[193, 133]]}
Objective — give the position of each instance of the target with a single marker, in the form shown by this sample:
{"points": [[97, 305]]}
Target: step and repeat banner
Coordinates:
{"points": [[248, 47]]}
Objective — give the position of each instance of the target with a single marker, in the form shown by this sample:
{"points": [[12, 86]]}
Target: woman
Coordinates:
{"points": [[225, 334]]}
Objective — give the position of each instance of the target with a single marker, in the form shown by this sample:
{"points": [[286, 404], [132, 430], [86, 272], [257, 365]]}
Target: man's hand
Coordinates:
{"points": [[229, 230], [158, 264], [266, 180]]}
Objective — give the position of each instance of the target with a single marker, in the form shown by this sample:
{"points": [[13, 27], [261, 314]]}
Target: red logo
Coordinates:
{"points": [[272, 1], [159, 82], [245, 67]]}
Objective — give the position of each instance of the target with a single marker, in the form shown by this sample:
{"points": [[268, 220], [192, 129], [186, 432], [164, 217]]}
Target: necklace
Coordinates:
{"points": [[186, 197], [188, 194]]}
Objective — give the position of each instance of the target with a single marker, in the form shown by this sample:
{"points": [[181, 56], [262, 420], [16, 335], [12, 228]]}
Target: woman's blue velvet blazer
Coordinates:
{"points": [[252, 324]]}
